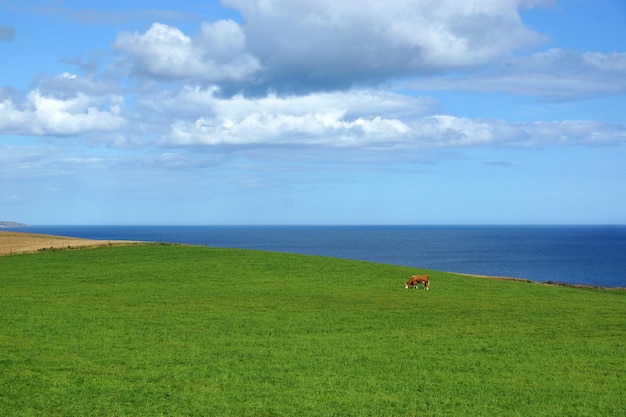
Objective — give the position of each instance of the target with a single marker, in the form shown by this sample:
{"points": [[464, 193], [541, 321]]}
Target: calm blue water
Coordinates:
{"points": [[594, 255]]}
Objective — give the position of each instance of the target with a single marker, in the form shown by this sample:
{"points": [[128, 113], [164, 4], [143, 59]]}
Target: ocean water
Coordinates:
{"points": [[591, 255]]}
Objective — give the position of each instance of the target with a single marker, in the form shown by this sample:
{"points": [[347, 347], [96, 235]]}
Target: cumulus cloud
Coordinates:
{"points": [[365, 119], [217, 54], [332, 43], [554, 74], [7, 33], [354, 118], [379, 121], [195, 102], [286, 45], [61, 112]]}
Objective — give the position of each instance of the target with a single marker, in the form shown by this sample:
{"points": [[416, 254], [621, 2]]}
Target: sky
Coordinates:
{"points": [[313, 112]]}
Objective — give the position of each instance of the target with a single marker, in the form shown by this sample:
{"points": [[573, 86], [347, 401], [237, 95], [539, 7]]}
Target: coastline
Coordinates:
{"points": [[550, 283], [13, 243]]}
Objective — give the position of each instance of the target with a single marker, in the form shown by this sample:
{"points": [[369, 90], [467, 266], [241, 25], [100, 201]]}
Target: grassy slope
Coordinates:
{"points": [[176, 330]]}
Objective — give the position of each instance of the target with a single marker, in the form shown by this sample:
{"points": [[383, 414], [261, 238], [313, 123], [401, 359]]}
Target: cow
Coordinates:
{"points": [[415, 280]]}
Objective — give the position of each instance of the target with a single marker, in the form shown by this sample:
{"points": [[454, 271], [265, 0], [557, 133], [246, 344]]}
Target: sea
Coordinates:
{"points": [[576, 255]]}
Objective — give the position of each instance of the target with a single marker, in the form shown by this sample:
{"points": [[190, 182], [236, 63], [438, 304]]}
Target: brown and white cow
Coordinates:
{"points": [[415, 280]]}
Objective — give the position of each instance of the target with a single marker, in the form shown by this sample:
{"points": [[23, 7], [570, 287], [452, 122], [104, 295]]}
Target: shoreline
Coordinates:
{"points": [[16, 243], [550, 283]]}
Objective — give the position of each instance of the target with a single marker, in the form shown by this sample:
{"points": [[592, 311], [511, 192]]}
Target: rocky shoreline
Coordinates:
{"points": [[12, 224]]}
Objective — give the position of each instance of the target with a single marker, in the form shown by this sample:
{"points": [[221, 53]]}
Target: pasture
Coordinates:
{"points": [[169, 330]]}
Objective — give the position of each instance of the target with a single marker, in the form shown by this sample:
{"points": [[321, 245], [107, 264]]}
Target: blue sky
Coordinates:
{"points": [[313, 112]]}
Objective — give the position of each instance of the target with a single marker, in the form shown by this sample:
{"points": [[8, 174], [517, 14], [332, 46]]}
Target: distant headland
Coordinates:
{"points": [[12, 224]]}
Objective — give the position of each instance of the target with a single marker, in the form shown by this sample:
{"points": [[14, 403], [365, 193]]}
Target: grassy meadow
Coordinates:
{"points": [[171, 330]]}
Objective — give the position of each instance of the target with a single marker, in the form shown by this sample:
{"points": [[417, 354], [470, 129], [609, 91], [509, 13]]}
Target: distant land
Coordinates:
{"points": [[12, 224]]}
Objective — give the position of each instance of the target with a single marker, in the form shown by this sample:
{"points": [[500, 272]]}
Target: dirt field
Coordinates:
{"points": [[18, 242]]}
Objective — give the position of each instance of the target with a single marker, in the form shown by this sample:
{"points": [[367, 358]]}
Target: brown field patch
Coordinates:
{"points": [[20, 242]]}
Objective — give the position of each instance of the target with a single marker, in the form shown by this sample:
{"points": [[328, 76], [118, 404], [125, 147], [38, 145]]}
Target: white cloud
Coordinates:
{"points": [[322, 128], [217, 54], [339, 43], [288, 45], [354, 118], [198, 102], [44, 114], [365, 119], [453, 132]]}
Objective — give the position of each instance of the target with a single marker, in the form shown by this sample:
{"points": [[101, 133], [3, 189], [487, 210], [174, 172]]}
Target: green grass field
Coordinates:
{"points": [[168, 330]]}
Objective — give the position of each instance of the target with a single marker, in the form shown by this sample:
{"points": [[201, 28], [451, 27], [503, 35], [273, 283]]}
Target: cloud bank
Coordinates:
{"points": [[313, 74]]}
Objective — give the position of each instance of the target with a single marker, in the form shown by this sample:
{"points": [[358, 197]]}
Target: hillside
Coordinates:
{"points": [[174, 330]]}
